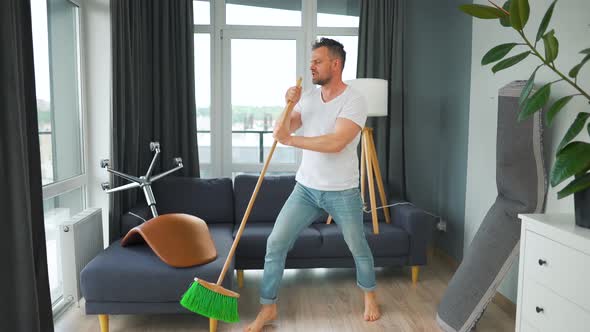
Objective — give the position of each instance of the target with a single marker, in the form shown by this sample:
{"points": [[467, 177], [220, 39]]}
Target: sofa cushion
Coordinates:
{"points": [[273, 194], [136, 274], [391, 241], [253, 241], [209, 199]]}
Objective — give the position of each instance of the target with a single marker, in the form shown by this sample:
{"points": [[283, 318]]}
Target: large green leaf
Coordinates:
{"points": [[578, 184], [482, 11], [497, 53], [576, 69], [586, 51], [545, 21], [509, 62], [573, 131], [573, 159], [528, 87], [551, 46], [519, 13], [535, 102], [505, 21], [556, 107]]}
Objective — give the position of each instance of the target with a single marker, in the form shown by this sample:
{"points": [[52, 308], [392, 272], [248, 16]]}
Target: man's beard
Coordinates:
{"points": [[320, 81]]}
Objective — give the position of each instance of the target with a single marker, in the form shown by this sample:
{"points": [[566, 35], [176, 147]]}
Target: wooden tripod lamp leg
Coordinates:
{"points": [[363, 166], [368, 160], [329, 221], [377, 170]]}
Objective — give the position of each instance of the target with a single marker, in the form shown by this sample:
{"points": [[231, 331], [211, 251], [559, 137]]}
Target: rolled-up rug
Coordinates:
{"points": [[521, 181]]}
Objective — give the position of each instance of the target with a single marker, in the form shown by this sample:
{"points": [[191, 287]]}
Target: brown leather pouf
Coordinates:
{"points": [[180, 240]]}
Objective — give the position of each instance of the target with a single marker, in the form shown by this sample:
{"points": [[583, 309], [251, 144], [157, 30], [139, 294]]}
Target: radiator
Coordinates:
{"points": [[81, 240]]}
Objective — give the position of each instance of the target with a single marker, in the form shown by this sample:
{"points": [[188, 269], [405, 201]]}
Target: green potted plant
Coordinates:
{"points": [[572, 157]]}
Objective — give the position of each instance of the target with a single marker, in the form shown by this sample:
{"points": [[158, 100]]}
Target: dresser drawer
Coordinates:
{"points": [[564, 270], [546, 311]]}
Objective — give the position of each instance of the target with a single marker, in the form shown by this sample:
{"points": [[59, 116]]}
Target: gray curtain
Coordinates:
{"points": [[25, 303], [153, 92], [380, 55]]}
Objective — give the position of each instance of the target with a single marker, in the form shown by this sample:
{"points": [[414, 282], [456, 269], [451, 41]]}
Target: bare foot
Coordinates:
{"points": [[267, 313], [372, 312]]}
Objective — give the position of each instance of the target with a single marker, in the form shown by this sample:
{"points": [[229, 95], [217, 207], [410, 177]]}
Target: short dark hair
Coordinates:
{"points": [[335, 48]]}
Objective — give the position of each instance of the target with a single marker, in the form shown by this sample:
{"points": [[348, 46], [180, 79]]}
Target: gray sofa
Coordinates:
{"points": [[134, 280]]}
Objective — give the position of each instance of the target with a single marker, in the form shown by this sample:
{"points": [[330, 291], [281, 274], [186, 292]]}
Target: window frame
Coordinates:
{"points": [[63, 186], [79, 181], [221, 34]]}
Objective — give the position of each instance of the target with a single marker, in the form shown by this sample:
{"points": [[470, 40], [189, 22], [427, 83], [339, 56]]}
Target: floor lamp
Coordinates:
{"points": [[375, 92]]}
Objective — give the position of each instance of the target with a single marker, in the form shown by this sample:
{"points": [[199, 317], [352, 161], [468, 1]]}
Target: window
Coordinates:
{"points": [[257, 96], [201, 12], [263, 13], [41, 58], [338, 13], [203, 94], [247, 53], [351, 47], [58, 91], [202, 18], [56, 47]]}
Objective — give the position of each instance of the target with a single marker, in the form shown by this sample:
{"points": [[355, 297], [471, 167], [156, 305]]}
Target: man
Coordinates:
{"points": [[331, 118]]}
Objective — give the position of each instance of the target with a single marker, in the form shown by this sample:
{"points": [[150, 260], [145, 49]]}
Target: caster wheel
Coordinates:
{"points": [[104, 163], [154, 146]]}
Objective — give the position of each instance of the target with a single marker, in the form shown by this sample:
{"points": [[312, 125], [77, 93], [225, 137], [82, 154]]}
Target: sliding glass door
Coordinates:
{"points": [[258, 69], [247, 53]]}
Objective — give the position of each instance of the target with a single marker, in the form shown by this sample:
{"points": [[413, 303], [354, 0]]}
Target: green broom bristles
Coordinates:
{"points": [[208, 303]]}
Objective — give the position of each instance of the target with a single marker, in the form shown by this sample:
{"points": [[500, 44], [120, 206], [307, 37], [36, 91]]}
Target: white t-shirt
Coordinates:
{"points": [[330, 171]]}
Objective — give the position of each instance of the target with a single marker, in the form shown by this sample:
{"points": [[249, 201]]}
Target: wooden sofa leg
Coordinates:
{"points": [[415, 272], [240, 278], [212, 325], [104, 323]]}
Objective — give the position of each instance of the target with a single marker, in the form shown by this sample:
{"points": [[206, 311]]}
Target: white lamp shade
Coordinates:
{"points": [[375, 91]]}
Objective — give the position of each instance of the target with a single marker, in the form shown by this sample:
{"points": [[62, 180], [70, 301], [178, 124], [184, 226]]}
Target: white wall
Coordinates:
{"points": [[97, 51], [570, 21]]}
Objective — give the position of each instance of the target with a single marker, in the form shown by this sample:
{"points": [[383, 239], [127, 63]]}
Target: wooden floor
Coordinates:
{"points": [[316, 300]]}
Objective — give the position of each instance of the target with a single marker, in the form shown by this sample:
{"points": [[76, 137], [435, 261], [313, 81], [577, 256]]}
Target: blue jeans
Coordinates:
{"points": [[303, 207]]}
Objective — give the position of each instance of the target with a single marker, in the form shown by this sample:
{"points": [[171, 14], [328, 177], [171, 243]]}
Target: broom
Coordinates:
{"points": [[212, 300]]}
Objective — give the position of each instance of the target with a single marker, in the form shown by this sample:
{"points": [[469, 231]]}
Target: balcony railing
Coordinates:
{"points": [[260, 134]]}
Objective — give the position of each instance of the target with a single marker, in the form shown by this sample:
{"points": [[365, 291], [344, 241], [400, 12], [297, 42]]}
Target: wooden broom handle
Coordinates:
{"points": [[286, 117]]}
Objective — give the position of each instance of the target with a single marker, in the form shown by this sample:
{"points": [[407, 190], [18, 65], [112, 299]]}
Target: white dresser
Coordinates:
{"points": [[553, 275]]}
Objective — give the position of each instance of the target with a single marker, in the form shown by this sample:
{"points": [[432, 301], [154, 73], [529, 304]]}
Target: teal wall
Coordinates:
{"points": [[437, 75]]}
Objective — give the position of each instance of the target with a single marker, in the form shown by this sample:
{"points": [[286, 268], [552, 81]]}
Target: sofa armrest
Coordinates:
{"points": [[420, 227], [134, 217]]}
